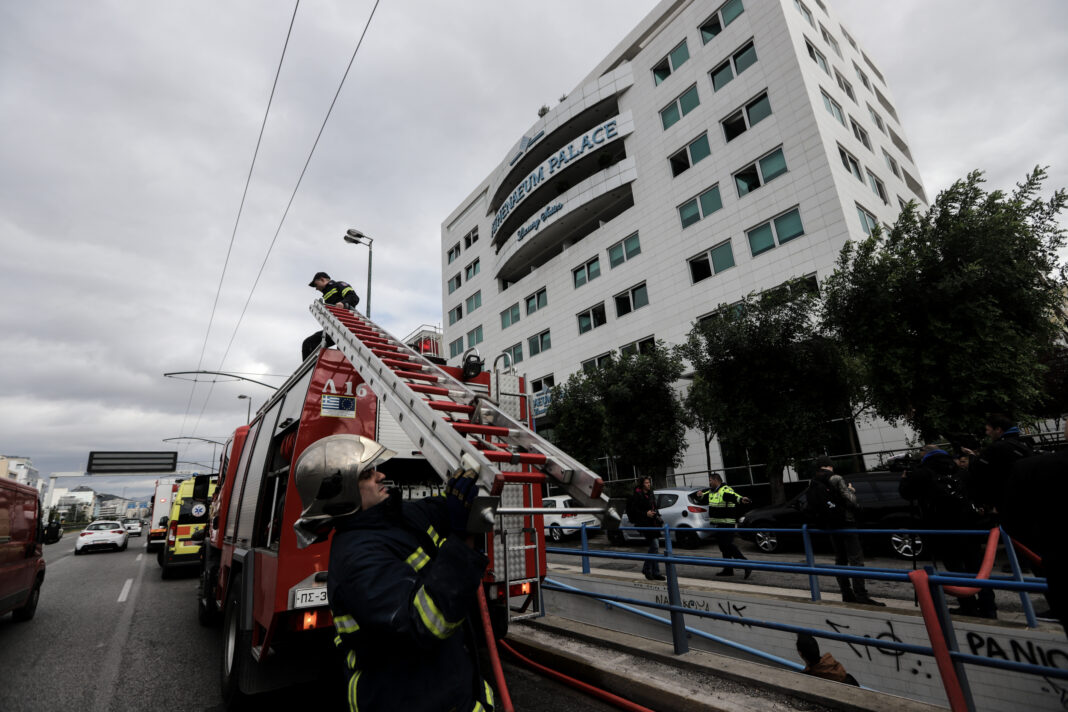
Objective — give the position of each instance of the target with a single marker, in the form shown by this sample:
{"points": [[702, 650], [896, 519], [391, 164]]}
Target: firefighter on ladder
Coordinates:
{"points": [[402, 579], [334, 292]]}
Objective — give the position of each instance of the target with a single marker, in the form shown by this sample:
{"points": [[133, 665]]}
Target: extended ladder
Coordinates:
{"points": [[453, 425]]}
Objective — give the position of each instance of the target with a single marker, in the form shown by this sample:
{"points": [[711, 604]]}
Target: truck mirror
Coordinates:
{"points": [[163, 521]]}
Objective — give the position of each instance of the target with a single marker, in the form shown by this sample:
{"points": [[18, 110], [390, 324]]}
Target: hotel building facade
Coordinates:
{"points": [[719, 149]]}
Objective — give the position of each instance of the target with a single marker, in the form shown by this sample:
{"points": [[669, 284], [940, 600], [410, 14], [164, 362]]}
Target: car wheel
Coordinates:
{"points": [[236, 648], [78, 552], [687, 539], [123, 547], [906, 546], [768, 542], [26, 612], [554, 533], [207, 614]]}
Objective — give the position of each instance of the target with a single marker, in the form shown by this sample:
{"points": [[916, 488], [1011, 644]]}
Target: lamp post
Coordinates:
{"points": [[248, 415], [356, 237]]}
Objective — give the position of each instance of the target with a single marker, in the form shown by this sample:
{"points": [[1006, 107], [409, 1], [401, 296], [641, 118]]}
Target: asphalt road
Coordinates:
{"points": [[110, 635]]}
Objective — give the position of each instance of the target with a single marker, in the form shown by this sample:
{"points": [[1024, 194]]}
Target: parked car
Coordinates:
{"points": [[679, 509], [22, 564], [559, 525], [881, 507], [133, 526], [105, 534]]}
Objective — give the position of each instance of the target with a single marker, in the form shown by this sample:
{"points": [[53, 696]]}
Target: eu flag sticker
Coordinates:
{"points": [[338, 406]]}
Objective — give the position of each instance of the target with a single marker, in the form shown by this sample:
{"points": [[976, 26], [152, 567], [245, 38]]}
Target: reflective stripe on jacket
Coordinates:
{"points": [[721, 511]]}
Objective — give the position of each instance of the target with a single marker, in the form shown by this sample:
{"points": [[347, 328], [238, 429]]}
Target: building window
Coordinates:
{"points": [[714, 261], [845, 86], [515, 353], [682, 105], [914, 185], [474, 301], [597, 362], [805, 13], [860, 133], [886, 103], [675, 59], [471, 238], [471, 270], [720, 19], [891, 164], [873, 68], [829, 39], [849, 38], [900, 143], [642, 346], [878, 188], [510, 316], [474, 336], [738, 62], [876, 118], [822, 6], [537, 300], [623, 251], [902, 203], [757, 174], [817, 57], [454, 252], [700, 207], [456, 347], [832, 107], [455, 314], [862, 76], [634, 298], [851, 163], [454, 283], [587, 272], [539, 342], [542, 384], [692, 154], [868, 223], [746, 118], [776, 231], [591, 318]]}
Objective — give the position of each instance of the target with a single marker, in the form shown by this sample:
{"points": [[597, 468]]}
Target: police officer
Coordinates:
{"points": [[334, 292], [721, 501], [402, 579]]}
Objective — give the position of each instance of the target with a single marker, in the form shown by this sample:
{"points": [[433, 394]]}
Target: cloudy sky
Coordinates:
{"points": [[127, 130]]}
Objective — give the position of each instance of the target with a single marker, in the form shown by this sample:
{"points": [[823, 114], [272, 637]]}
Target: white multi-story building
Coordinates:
{"points": [[720, 149], [21, 470]]}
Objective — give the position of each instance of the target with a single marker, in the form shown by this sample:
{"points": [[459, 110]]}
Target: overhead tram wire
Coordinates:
{"points": [[290, 203], [240, 209]]}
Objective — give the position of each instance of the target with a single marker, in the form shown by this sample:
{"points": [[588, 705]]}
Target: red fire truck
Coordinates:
{"points": [[270, 595]]}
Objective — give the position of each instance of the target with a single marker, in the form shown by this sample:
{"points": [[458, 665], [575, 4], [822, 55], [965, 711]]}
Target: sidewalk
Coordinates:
{"points": [[649, 673]]}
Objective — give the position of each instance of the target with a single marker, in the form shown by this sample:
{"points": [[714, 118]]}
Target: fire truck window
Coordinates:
{"points": [[254, 478], [273, 497], [235, 493]]}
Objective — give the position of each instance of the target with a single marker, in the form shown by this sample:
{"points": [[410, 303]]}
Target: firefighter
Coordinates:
{"points": [[334, 292], [402, 579]]}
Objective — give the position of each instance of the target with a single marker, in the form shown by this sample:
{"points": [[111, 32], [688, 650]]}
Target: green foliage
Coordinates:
{"points": [[764, 377], [949, 313], [627, 410]]}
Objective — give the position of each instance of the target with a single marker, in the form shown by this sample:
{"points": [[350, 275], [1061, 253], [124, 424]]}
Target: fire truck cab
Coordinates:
{"points": [[270, 595]]}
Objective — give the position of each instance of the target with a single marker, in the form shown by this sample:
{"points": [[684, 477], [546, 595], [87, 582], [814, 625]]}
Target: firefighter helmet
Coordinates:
{"points": [[327, 475]]}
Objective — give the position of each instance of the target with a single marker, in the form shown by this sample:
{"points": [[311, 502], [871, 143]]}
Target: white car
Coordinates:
{"points": [[105, 534], [133, 526], [557, 526]]}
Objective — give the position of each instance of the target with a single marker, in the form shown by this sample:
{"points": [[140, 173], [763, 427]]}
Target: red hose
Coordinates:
{"points": [[495, 659], [950, 681], [578, 684], [1027, 552], [984, 570]]}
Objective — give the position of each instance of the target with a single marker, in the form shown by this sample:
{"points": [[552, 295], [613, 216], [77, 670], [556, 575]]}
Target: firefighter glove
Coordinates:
{"points": [[460, 492]]}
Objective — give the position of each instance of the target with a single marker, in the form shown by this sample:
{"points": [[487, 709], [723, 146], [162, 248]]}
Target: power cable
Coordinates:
{"points": [[289, 205], [240, 210]]}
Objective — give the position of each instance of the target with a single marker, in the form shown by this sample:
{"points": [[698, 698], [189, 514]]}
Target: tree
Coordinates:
{"points": [[949, 313], [627, 409], [766, 379]]}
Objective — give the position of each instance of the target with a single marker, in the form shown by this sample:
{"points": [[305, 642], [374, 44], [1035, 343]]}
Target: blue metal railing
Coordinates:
{"points": [[934, 580]]}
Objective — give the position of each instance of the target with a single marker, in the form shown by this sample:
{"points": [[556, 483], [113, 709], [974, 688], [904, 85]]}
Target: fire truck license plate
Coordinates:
{"points": [[309, 597]]}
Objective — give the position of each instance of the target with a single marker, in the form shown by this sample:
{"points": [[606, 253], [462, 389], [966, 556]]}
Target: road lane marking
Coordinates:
{"points": [[138, 557], [125, 590]]}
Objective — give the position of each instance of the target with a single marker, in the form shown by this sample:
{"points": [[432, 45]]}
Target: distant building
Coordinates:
{"points": [[21, 470], [721, 148]]}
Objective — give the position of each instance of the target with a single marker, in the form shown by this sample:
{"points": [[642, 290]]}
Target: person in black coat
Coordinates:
{"points": [[334, 292], [989, 469], [642, 512]]}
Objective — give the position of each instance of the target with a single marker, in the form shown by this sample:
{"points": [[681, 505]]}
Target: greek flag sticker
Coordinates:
{"points": [[338, 406]]}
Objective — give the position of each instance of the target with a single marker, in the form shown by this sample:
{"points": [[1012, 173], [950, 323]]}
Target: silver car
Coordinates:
{"points": [[680, 510]]}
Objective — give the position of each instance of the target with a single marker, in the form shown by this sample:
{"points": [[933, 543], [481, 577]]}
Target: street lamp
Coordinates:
{"points": [[356, 237], [248, 416]]}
